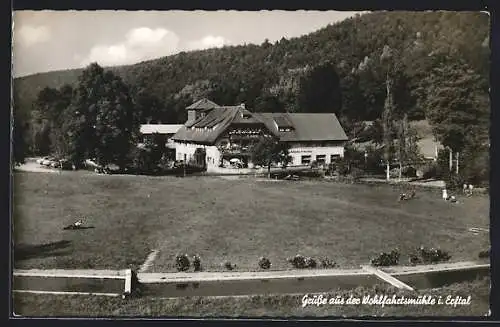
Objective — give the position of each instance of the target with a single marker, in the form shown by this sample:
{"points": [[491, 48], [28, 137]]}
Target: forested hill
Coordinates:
{"points": [[271, 76]]}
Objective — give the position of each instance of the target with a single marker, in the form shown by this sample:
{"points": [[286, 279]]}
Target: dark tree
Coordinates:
{"points": [[102, 123], [320, 90], [269, 151], [18, 141], [454, 101]]}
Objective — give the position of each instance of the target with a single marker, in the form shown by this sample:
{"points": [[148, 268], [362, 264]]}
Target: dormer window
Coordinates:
{"points": [[283, 124], [246, 116]]}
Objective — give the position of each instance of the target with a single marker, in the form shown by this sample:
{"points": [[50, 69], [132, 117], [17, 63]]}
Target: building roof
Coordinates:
{"points": [[208, 128], [305, 126], [203, 104], [160, 128], [428, 147], [427, 142], [302, 127]]}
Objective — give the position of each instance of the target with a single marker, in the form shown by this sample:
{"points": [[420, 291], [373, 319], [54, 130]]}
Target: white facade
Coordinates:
{"points": [[188, 149], [303, 154]]}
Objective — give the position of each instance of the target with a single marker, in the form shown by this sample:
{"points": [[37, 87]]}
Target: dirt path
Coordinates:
{"points": [[32, 166]]}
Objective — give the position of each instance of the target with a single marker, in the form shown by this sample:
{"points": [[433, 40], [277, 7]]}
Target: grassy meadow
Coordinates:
{"points": [[222, 219]]}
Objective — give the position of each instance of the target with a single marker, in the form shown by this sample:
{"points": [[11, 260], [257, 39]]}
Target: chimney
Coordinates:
{"points": [[242, 105]]}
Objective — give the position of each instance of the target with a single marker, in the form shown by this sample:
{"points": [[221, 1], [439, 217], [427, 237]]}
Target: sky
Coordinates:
{"points": [[56, 40]]}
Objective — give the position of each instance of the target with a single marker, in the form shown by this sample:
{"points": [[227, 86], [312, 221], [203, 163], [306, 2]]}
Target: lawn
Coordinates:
{"points": [[237, 220], [256, 306]]}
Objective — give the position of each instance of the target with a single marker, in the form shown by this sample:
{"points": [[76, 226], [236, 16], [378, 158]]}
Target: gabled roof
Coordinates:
{"points": [[207, 129], [203, 104], [160, 128], [305, 126]]}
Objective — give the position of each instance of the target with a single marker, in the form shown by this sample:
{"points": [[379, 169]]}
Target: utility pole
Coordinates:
{"points": [[184, 164], [451, 160], [457, 163]]}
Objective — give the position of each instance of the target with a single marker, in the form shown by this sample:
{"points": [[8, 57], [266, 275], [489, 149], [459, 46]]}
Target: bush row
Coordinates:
{"points": [[421, 255], [183, 263]]}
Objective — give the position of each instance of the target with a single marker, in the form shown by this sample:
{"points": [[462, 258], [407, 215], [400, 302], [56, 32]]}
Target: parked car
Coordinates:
{"points": [[39, 161], [91, 164], [47, 162]]}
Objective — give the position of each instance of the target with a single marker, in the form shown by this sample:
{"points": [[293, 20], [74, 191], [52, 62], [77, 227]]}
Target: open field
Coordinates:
{"points": [[237, 220], [255, 306]]}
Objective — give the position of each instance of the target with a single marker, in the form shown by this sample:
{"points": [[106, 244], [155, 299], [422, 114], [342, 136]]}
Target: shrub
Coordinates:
{"points": [[327, 263], [409, 172], [196, 263], [182, 262], [228, 265], [356, 173], [430, 170], [342, 168], [264, 263], [414, 259], [298, 261], [394, 173], [386, 259], [475, 164], [454, 181], [310, 263], [432, 255], [302, 262], [331, 168], [484, 254]]}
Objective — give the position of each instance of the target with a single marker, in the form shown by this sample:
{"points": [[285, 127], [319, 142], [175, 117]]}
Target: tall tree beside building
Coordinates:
{"points": [[102, 123], [387, 114], [115, 125], [269, 151], [455, 103]]}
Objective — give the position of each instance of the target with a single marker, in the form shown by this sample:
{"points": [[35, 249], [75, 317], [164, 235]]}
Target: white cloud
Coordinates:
{"points": [[29, 35], [208, 42], [140, 44]]}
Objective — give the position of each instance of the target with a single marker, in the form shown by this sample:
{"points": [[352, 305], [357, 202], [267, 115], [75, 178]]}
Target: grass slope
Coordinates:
{"points": [[236, 220]]}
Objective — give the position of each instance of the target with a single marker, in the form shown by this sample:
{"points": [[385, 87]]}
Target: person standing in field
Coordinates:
{"points": [[445, 194]]}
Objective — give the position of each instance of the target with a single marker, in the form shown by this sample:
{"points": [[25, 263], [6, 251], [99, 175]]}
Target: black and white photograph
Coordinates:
{"points": [[248, 164]]}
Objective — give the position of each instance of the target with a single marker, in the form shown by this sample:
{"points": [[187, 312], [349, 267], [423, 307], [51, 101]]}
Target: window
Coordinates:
{"points": [[306, 160], [334, 157], [321, 159]]}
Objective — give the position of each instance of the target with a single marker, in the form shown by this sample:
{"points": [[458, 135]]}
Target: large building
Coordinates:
{"points": [[216, 136]]}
